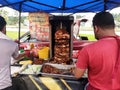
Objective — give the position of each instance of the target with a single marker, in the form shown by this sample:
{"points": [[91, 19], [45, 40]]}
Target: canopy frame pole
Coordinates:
{"points": [[63, 6], [105, 7], [20, 9], [64, 2]]}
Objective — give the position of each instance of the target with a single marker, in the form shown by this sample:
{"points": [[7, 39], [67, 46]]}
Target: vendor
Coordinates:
{"points": [[76, 29], [8, 49]]}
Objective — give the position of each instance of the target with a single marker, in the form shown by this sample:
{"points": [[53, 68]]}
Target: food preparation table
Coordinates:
{"points": [[32, 82]]}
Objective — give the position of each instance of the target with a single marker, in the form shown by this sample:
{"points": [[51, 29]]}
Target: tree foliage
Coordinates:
{"points": [[15, 20], [4, 13], [117, 19], [11, 19]]}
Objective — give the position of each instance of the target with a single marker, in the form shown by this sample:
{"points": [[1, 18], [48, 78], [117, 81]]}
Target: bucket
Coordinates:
{"points": [[43, 53]]}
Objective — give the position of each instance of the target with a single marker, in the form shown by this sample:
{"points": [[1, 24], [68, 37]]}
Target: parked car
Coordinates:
{"points": [[26, 39]]}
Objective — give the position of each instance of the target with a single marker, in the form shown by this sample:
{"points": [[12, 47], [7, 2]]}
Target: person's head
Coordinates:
{"points": [[2, 25], [103, 22]]}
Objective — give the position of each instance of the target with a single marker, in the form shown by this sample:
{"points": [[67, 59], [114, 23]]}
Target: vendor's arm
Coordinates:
{"points": [[81, 64], [78, 73], [21, 55], [16, 55]]}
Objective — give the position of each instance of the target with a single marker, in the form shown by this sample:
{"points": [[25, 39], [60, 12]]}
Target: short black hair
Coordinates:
{"points": [[2, 23], [104, 20]]}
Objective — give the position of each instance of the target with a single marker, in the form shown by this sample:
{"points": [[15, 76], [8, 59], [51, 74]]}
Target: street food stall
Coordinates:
{"points": [[44, 79], [50, 67]]}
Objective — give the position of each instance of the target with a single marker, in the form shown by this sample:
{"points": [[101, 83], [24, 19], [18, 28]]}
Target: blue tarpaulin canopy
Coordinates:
{"points": [[60, 6]]}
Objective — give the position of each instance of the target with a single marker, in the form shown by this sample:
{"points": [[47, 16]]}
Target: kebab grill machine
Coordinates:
{"points": [[61, 43]]}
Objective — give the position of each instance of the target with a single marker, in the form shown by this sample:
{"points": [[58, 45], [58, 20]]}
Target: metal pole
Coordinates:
{"points": [[105, 7], [20, 7]]}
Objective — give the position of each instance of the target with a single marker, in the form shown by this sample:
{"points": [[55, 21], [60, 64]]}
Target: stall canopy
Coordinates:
{"points": [[60, 6]]}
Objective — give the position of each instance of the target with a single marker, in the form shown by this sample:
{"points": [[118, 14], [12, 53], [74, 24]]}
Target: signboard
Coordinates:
{"points": [[39, 25]]}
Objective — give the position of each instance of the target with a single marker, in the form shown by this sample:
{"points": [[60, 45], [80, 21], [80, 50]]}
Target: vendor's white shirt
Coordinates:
{"points": [[8, 49], [3, 36]]}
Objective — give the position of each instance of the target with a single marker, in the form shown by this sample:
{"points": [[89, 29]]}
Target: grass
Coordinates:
{"points": [[14, 34], [90, 36]]}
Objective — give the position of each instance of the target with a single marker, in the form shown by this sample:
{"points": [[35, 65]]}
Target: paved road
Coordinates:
{"points": [[17, 29]]}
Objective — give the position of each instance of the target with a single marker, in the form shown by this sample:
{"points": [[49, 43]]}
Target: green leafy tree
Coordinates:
{"points": [[117, 19], [12, 20], [4, 13]]}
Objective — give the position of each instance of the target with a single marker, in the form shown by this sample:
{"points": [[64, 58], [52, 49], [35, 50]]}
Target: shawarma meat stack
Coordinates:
{"points": [[62, 47]]}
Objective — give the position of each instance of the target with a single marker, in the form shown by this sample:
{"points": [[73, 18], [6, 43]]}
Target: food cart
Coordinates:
{"points": [[28, 82], [53, 71]]}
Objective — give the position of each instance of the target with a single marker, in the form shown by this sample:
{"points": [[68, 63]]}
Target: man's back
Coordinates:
{"points": [[7, 48], [101, 60]]}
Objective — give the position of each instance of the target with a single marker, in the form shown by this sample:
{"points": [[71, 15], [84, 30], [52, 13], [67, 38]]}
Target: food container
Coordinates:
{"points": [[31, 69], [38, 61], [64, 69], [25, 62], [43, 53], [15, 69]]}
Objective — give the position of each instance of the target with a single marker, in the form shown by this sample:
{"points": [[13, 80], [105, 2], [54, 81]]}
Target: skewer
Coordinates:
{"points": [[60, 25]]}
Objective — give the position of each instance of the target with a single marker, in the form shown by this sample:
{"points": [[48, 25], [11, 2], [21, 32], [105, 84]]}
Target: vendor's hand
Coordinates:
{"points": [[73, 71], [27, 53]]}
